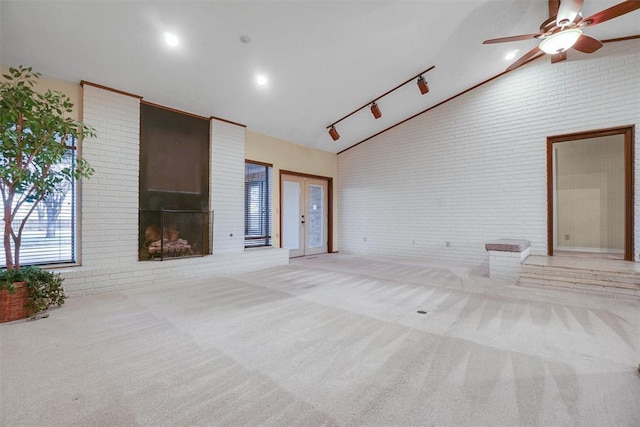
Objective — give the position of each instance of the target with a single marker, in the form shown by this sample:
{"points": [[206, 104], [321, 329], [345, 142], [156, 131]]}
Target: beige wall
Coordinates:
{"points": [[72, 90], [285, 155], [590, 193]]}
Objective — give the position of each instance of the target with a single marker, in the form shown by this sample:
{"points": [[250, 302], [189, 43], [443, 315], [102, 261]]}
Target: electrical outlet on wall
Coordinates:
{"points": [[567, 237]]}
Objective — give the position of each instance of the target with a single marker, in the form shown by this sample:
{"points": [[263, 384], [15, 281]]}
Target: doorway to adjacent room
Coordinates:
{"points": [[590, 194]]}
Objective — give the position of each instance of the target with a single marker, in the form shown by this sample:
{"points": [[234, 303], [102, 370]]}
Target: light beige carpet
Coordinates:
{"points": [[327, 340]]}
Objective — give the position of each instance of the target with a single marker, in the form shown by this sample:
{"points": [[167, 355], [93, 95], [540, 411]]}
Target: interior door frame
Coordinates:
{"points": [[628, 132], [329, 203]]}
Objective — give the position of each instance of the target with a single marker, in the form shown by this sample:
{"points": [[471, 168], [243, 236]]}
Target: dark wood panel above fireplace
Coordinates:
{"points": [[174, 160]]}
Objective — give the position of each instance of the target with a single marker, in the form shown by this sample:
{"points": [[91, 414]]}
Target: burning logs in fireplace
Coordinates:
{"points": [[179, 247], [167, 244]]}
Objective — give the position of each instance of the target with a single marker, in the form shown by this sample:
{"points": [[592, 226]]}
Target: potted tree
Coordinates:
{"points": [[29, 292], [36, 132]]}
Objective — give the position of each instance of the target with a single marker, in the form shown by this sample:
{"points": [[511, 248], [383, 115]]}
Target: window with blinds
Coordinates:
{"points": [[49, 236], [257, 204]]}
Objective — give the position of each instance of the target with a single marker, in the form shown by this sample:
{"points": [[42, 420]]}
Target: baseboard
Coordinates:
{"points": [[590, 250]]}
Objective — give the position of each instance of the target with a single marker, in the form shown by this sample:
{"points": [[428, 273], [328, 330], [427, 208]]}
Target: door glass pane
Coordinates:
{"points": [[316, 197], [290, 215]]}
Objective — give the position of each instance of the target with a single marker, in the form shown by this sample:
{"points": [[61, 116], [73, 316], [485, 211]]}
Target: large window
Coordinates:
{"points": [[49, 236], [257, 204]]}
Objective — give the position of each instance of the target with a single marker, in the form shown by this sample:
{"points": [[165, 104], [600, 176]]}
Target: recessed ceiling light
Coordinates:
{"points": [[511, 55], [171, 39], [261, 79]]}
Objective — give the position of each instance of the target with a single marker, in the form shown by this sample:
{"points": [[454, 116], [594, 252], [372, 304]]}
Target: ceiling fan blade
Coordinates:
{"points": [[568, 11], [525, 58], [587, 44], [512, 38], [613, 12]]}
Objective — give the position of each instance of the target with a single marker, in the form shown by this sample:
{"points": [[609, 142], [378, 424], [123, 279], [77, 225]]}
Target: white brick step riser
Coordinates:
{"points": [[587, 281], [586, 288], [582, 274]]}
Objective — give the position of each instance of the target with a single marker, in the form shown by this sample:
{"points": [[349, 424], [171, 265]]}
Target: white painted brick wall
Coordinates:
{"points": [[110, 198], [109, 220], [227, 186], [474, 169], [87, 280], [506, 265]]}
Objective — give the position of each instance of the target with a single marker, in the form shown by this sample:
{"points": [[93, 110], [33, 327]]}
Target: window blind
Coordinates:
{"points": [[257, 204], [49, 236]]}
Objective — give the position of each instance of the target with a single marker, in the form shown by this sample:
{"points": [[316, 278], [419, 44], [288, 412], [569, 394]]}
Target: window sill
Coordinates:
{"points": [[258, 248]]}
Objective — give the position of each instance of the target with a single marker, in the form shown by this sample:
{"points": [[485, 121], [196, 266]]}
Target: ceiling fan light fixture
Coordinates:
{"points": [[560, 42], [375, 110], [422, 85], [334, 133]]}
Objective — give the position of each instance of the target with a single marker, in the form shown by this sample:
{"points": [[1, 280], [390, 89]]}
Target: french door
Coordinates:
{"points": [[305, 215]]}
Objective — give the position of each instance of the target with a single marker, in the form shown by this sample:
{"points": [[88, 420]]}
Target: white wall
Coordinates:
{"points": [[109, 212], [474, 169], [227, 186], [109, 200]]}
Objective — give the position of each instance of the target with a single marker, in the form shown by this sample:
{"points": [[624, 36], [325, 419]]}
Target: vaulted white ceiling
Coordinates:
{"points": [[323, 59]]}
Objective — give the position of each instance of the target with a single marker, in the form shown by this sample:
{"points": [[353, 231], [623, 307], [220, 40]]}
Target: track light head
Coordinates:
{"points": [[375, 110], [422, 84], [334, 133]]}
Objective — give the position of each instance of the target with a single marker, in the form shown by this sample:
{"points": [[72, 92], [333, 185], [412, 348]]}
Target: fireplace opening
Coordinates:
{"points": [[172, 234]]}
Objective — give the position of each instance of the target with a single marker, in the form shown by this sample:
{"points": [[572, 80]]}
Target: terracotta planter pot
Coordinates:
{"points": [[12, 305]]}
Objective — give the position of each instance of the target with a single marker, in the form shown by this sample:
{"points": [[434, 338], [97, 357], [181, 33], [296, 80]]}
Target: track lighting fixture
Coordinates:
{"points": [[422, 84], [334, 133], [375, 110]]}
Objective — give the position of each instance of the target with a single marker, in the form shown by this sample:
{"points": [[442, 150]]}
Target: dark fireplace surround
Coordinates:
{"points": [[174, 217]]}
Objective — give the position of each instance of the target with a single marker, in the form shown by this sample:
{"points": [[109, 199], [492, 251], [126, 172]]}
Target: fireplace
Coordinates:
{"points": [[172, 234], [174, 217]]}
